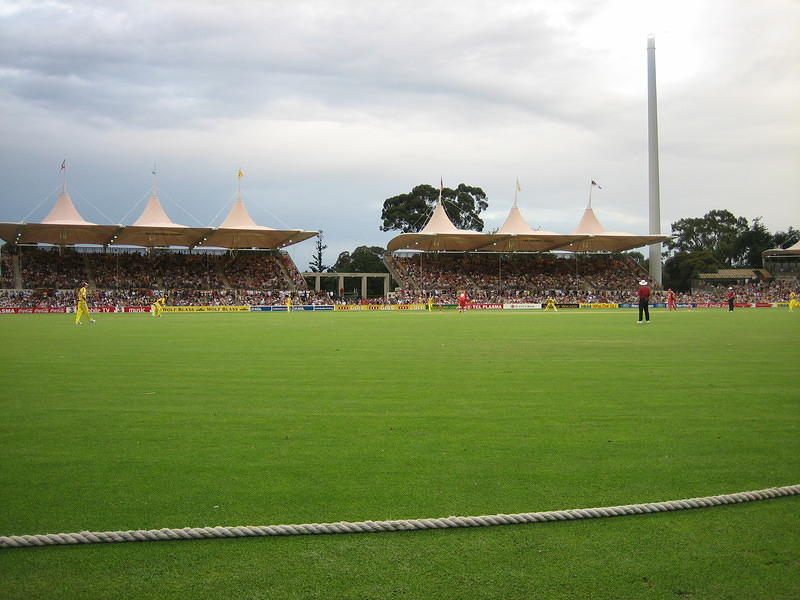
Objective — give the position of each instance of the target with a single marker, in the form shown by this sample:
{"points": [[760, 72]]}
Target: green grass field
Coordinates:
{"points": [[258, 419]]}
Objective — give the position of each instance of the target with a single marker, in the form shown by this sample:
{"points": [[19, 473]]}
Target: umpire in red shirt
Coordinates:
{"points": [[644, 301]]}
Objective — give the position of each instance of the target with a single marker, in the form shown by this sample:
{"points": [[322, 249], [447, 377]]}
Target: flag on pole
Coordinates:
{"points": [[519, 189], [441, 184], [154, 169], [597, 185], [63, 165], [240, 175]]}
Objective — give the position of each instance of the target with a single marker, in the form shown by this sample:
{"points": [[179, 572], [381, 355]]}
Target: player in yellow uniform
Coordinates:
{"points": [[82, 309], [550, 305], [289, 303], [157, 307], [793, 303], [430, 303]]}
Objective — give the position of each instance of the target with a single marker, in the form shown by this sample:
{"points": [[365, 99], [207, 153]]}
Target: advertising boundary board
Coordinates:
{"points": [[299, 308], [14, 310], [522, 306], [206, 309], [357, 307], [20, 310], [599, 305], [136, 309]]}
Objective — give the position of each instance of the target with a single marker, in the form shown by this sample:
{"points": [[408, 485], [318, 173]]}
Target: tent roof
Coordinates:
{"points": [[515, 235], [239, 230], [439, 233], [64, 213], [239, 218], [153, 215], [596, 238], [64, 226], [155, 228], [793, 250]]}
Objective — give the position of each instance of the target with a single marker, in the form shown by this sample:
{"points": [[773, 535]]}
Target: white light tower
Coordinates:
{"points": [[652, 153]]}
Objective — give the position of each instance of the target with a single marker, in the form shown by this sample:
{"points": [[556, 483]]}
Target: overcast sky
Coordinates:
{"points": [[330, 107]]}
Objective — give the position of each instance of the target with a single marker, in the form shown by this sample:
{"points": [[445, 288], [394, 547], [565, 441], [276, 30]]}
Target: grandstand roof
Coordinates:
{"points": [[439, 233], [155, 228], [596, 238], [793, 250], [515, 235], [65, 226]]}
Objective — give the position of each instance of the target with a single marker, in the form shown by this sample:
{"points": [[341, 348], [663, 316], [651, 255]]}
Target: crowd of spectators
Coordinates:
{"points": [[50, 278], [54, 269], [250, 271], [51, 269], [522, 277], [7, 265], [120, 270]]}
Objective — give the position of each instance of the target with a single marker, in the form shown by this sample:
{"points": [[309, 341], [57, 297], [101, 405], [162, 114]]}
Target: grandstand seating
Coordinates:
{"points": [[49, 277]]}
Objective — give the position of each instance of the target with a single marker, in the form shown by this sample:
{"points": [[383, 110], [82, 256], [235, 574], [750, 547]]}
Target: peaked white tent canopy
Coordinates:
{"points": [[439, 233], [155, 228], [239, 230], [520, 237], [63, 225], [596, 238], [793, 250]]}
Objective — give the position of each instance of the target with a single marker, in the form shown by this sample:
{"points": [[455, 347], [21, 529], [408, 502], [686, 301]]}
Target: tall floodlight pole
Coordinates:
{"points": [[652, 153]]}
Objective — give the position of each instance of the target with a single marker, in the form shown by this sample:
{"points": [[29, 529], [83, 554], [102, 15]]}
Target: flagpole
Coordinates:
{"points": [[591, 185], [64, 184], [154, 189], [516, 189]]}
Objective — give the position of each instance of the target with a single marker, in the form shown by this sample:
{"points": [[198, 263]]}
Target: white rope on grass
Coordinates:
{"points": [[195, 533]]}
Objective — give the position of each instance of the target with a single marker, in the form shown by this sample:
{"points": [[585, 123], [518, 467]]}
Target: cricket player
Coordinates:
{"points": [[82, 309], [671, 300], [793, 303], [462, 301], [731, 298], [157, 307], [550, 304]]}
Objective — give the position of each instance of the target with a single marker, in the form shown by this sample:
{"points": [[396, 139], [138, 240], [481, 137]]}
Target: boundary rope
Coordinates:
{"points": [[195, 533]]}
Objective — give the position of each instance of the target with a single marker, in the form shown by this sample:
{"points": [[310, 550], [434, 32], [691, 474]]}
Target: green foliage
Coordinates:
{"points": [[364, 259], [681, 268], [717, 231], [317, 261], [751, 243], [409, 212]]}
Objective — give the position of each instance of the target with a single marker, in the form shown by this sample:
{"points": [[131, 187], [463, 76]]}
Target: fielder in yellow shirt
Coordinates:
{"points": [[550, 305], [82, 309], [793, 303], [157, 307]]}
